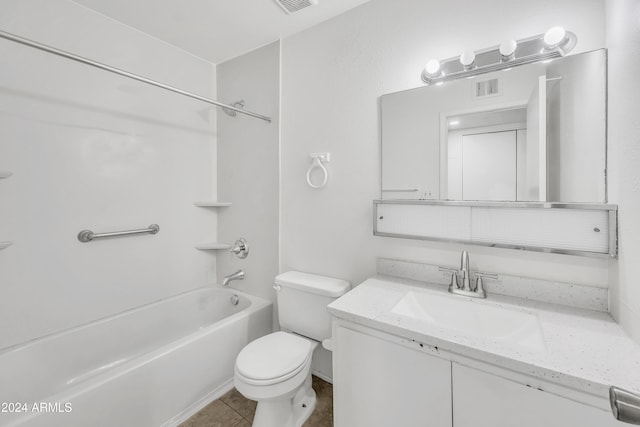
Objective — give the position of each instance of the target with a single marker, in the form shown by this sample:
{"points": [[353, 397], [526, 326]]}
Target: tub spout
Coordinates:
{"points": [[238, 275]]}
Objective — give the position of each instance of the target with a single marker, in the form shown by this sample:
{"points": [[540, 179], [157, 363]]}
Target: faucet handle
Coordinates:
{"points": [[493, 276], [240, 248], [479, 289], [454, 276]]}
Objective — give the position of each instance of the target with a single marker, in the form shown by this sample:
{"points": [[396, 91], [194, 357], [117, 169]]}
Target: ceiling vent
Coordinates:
{"points": [[291, 6]]}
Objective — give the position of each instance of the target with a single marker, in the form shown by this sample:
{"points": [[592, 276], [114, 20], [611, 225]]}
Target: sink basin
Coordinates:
{"points": [[473, 318]]}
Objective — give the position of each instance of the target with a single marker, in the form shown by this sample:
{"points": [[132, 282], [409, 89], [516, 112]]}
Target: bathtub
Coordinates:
{"points": [[153, 365]]}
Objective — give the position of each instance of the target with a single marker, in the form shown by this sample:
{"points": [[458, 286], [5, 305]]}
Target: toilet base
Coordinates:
{"points": [[287, 412]]}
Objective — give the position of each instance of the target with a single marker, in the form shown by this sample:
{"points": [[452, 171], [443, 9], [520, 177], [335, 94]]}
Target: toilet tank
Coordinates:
{"points": [[302, 302]]}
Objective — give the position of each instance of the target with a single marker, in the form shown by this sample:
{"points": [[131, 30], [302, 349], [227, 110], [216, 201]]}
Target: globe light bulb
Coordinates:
{"points": [[467, 59], [554, 36], [432, 67], [508, 49]]}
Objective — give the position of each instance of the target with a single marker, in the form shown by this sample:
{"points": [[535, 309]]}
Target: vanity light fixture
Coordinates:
{"points": [[556, 42]]}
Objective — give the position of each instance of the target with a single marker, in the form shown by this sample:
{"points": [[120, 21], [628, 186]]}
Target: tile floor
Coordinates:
{"points": [[234, 410]]}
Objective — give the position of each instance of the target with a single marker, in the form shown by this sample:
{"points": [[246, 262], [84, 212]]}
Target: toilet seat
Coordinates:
{"points": [[273, 358]]}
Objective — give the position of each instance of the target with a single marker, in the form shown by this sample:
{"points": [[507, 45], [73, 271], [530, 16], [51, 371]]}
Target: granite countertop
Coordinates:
{"points": [[585, 350]]}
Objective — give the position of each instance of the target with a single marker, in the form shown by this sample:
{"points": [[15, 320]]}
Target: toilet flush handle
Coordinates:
{"points": [[278, 288]]}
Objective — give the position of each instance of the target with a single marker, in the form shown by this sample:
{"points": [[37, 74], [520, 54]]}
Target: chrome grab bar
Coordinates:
{"points": [[87, 235]]}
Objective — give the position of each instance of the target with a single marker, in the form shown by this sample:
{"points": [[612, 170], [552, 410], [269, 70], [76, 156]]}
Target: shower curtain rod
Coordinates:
{"points": [[15, 38]]}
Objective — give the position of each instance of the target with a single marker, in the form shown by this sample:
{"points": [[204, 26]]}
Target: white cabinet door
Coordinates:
{"points": [[484, 400], [381, 383]]}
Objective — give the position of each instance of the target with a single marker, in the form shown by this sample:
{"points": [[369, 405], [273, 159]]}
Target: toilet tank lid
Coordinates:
{"points": [[321, 285]]}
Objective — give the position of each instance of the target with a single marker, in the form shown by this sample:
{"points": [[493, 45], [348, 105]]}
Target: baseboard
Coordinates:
{"points": [[322, 376]]}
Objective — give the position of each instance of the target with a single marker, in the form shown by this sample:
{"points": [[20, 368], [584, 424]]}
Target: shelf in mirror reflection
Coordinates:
{"points": [[5, 174]]}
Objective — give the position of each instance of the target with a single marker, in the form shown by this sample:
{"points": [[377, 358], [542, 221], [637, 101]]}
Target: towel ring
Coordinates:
{"points": [[318, 160]]}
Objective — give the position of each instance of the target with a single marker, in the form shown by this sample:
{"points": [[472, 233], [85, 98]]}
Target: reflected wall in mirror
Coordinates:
{"points": [[532, 133]]}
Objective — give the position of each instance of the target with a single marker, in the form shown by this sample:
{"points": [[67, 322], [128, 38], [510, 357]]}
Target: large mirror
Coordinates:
{"points": [[531, 133]]}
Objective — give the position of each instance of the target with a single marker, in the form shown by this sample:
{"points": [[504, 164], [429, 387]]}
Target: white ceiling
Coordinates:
{"points": [[217, 30]]}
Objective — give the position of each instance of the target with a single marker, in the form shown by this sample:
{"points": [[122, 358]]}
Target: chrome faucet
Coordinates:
{"points": [[465, 288], [464, 269], [238, 275]]}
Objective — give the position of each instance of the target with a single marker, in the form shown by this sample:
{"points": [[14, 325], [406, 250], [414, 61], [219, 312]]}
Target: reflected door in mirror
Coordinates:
{"points": [[489, 166]]}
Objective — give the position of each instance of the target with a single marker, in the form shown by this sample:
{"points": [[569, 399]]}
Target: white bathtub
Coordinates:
{"points": [[154, 365]]}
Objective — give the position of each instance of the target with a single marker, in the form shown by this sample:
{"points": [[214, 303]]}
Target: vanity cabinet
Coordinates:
{"points": [[381, 383], [386, 380], [483, 399]]}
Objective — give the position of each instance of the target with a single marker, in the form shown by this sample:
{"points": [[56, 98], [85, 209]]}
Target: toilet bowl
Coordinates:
{"points": [[275, 370]]}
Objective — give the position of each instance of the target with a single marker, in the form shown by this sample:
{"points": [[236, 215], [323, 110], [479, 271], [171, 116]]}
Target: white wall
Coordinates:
{"points": [[332, 78], [248, 168], [623, 41], [92, 150]]}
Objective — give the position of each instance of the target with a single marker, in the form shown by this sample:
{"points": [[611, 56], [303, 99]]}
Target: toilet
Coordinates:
{"points": [[275, 370]]}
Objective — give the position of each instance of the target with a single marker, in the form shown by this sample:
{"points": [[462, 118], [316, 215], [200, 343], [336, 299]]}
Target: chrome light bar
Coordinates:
{"points": [[553, 44]]}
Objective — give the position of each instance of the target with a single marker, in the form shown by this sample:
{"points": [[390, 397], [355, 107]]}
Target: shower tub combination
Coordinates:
{"points": [[154, 365]]}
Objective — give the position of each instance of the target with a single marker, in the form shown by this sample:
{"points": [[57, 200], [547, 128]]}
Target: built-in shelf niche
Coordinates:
{"points": [[5, 174], [565, 228], [212, 246], [5, 244], [212, 204]]}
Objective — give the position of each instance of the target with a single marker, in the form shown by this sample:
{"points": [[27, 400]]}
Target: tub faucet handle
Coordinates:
{"points": [[240, 248]]}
